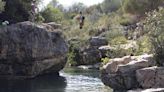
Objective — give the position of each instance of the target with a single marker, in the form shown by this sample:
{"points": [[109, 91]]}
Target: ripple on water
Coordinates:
{"points": [[81, 83]]}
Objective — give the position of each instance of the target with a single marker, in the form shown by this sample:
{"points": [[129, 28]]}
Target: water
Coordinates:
{"points": [[70, 80]]}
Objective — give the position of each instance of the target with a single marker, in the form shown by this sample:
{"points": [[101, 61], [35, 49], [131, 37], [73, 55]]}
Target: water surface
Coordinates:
{"points": [[70, 80]]}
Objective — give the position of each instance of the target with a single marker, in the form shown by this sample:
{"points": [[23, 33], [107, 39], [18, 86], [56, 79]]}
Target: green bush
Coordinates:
{"points": [[140, 6], [114, 34], [51, 14], [105, 60], [154, 26], [119, 52], [144, 45], [119, 40], [17, 10]]}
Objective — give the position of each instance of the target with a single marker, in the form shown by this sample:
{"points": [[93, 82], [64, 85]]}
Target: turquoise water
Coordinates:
{"points": [[70, 80]]}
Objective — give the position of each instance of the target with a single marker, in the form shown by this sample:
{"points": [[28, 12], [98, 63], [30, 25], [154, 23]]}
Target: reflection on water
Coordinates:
{"points": [[47, 83], [71, 80]]}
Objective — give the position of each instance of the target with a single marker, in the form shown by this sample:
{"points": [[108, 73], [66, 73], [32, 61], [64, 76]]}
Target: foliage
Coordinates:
{"points": [[119, 40], [74, 48], [105, 60], [16, 10], [110, 5], [77, 7], [140, 6], [154, 25], [51, 14], [119, 52], [112, 34], [2, 4], [144, 45]]}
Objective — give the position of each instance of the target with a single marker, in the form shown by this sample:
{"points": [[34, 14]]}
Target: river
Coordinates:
{"points": [[70, 80]]}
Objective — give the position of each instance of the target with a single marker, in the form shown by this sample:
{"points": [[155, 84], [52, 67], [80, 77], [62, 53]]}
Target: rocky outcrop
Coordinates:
{"points": [[28, 50], [97, 41], [120, 73], [152, 77], [88, 54]]}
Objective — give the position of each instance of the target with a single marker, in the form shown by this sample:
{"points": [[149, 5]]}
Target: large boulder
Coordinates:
{"points": [[120, 73], [152, 77], [28, 50], [90, 56]]}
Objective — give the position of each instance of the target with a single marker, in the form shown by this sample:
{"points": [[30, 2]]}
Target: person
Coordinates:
{"points": [[33, 10], [80, 18]]}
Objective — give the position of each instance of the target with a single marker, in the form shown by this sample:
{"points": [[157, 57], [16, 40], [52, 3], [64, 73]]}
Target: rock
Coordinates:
{"points": [[90, 56], [54, 25], [98, 41], [120, 73], [112, 66], [28, 50], [148, 90], [152, 77], [95, 66]]}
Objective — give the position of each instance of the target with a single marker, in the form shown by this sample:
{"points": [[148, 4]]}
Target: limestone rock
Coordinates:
{"points": [[98, 41], [152, 77], [28, 50], [120, 73]]}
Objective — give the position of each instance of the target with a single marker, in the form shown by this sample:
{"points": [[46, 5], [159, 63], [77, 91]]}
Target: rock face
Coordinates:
{"points": [[120, 73], [88, 54], [28, 50], [154, 77], [91, 54], [98, 41]]}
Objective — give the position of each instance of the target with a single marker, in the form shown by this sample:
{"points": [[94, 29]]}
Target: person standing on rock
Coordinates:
{"points": [[33, 11], [80, 18]]}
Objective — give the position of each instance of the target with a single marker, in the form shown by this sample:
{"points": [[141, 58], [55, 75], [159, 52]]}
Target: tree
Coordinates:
{"points": [[110, 5], [51, 14], [140, 6], [77, 7], [56, 4], [16, 10]]}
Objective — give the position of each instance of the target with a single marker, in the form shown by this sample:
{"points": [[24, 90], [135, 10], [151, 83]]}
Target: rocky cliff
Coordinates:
{"points": [[28, 50]]}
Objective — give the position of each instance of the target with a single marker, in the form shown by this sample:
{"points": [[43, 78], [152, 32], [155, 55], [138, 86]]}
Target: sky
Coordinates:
{"points": [[67, 3]]}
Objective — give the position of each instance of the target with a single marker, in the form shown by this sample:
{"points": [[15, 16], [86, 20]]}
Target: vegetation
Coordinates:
{"points": [[2, 4], [51, 14], [16, 10], [140, 6], [116, 20], [154, 25]]}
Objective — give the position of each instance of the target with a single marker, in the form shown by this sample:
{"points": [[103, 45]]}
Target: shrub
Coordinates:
{"points": [[51, 14], [119, 40], [154, 26], [105, 60], [144, 45], [140, 6]]}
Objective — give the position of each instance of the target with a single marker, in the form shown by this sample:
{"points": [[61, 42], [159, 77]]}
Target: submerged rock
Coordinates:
{"points": [[28, 50]]}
